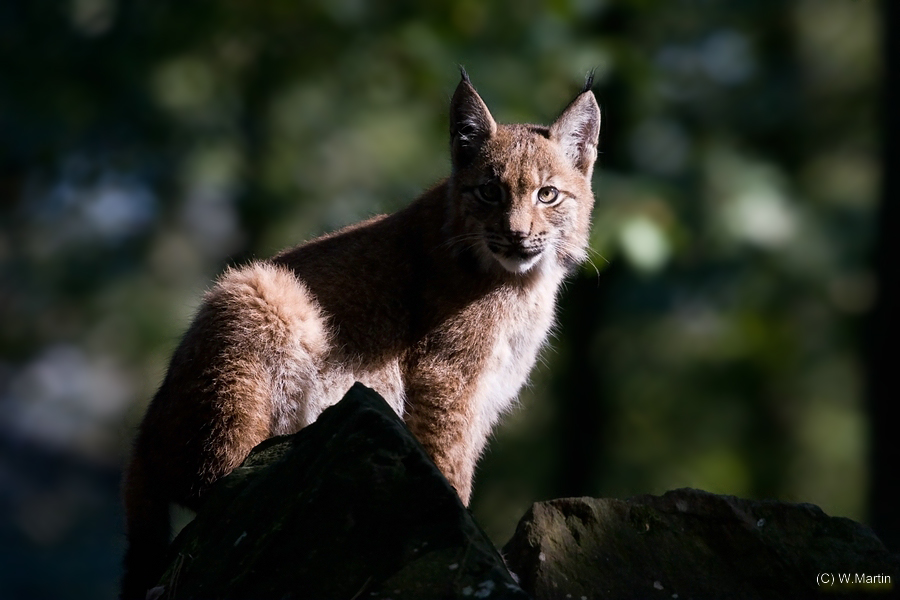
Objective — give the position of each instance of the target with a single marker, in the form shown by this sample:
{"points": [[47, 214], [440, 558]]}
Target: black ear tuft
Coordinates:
{"points": [[588, 81], [463, 74]]}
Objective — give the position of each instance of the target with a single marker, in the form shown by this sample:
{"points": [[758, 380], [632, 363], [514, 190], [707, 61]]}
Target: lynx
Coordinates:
{"points": [[441, 307]]}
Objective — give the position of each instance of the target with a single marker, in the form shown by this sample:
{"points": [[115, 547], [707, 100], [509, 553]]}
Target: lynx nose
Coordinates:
{"points": [[516, 235], [518, 226]]}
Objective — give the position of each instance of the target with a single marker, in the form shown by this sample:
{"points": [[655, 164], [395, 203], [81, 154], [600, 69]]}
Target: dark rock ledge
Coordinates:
{"points": [[352, 508], [693, 544]]}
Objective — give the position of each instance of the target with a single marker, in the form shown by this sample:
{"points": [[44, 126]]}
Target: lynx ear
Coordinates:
{"points": [[577, 129], [471, 123]]}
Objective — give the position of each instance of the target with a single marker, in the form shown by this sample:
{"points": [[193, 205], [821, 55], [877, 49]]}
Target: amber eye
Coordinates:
{"points": [[548, 194], [489, 192]]}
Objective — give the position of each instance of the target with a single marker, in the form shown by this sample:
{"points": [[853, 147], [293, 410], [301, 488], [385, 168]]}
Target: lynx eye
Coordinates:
{"points": [[489, 192], [548, 195]]}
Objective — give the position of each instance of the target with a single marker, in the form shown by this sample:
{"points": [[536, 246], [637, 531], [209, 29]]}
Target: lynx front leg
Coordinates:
{"points": [[442, 415]]}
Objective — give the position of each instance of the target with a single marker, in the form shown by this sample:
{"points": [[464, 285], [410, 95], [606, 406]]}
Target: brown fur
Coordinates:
{"points": [[441, 308]]}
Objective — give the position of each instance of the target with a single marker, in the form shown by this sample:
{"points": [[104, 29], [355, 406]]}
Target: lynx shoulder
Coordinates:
{"points": [[441, 307]]}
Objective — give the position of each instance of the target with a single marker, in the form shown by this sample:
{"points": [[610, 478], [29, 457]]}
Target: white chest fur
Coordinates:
{"points": [[522, 332]]}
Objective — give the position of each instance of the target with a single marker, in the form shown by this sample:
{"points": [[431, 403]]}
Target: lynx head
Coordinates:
{"points": [[521, 194]]}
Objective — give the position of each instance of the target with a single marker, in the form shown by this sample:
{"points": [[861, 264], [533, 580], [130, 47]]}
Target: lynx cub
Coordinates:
{"points": [[441, 308]]}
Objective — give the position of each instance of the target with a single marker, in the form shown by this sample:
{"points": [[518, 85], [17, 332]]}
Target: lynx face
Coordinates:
{"points": [[523, 192]]}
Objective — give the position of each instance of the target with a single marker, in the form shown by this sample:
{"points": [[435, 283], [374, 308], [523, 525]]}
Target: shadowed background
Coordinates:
{"points": [[716, 340]]}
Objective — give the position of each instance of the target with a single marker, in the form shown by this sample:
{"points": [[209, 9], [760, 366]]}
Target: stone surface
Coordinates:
{"points": [[693, 544], [350, 507]]}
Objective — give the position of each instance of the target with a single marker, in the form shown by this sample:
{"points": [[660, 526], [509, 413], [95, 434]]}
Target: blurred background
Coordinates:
{"points": [[726, 335]]}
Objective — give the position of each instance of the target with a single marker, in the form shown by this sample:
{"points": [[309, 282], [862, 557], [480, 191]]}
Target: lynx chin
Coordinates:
{"points": [[441, 307]]}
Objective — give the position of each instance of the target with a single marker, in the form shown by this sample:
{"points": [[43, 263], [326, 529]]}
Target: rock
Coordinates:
{"points": [[693, 544], [350, 507]]}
